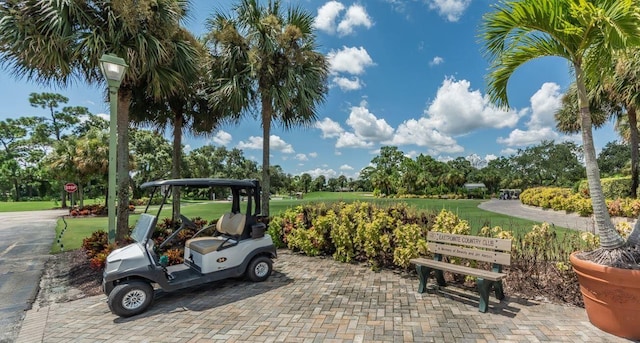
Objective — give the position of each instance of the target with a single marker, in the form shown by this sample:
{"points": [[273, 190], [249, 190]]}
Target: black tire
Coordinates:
{"points": [[130, 298], [259, 269]]}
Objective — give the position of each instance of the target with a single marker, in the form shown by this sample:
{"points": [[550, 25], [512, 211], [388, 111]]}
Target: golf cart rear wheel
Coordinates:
{"points": [[259, 269], [130, 298]]}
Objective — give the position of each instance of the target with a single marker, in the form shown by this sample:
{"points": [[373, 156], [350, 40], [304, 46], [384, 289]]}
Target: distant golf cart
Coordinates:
{"points": [[510, 194], [239, 246]]}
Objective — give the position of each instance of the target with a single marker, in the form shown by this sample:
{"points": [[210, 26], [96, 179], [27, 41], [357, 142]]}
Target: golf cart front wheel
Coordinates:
{"points": [[259, 269], [130, 298]]}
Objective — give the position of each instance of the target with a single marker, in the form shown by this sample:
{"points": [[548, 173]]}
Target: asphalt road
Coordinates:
{"points": [[25, 242], [515, 208]]}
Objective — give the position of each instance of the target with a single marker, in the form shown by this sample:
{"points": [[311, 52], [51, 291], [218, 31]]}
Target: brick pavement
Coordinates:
{"points": [[314, 300]]}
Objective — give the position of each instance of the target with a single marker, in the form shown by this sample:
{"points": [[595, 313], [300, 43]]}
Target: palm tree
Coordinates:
{"points": [[184, 111], [623, 88], [585, 33], [568, 115], [265, 58], [62, 41]]}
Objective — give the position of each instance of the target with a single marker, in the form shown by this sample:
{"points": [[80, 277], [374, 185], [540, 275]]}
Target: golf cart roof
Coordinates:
{"points": [[203, 182]]}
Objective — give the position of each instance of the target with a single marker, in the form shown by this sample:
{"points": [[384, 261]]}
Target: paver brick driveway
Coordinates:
{"points": [[314, 300]]}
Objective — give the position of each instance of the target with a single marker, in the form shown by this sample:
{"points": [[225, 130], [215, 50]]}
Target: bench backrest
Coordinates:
{"points": [[231, 223], [487, 249]]}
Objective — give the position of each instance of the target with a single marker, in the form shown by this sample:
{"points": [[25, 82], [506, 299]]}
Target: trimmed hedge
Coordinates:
{"points": [[563, 199]]}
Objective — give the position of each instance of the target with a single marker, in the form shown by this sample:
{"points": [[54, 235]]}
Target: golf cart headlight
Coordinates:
{"points": [[112, 266]]}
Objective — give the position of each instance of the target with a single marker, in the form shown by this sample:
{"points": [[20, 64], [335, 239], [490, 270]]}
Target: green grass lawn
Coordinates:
{"points": [[12, 206], [79, 228], [17, 206]]}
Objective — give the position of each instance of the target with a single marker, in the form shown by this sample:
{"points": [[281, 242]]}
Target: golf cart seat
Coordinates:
{"points": [[231, 224]]}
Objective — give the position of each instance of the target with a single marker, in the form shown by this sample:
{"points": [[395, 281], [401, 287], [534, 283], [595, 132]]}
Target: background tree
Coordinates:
{"points": [[318, 183], [262, 56], [151, 152], [59, 41], [614, 159], [305, 182]]}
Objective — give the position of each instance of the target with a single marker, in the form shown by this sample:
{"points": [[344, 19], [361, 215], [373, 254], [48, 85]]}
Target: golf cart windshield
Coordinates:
{"points": [[145, 223]]}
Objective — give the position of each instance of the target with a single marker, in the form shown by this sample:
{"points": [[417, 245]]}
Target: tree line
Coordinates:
{"points": [[39, 154]]}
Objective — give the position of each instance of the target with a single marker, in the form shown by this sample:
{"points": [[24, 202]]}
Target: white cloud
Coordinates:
{"points": [[350, 140], [450, 9], [327, 15], [508, 151], [276, 144], [541, 125], [222, 138], [457, 110], [356, 16], [329, 128], [490, 157], [313, 154], [349, 60], [519, 137], [368, 126], [346, 167], [104, 116], [301, 157], [254, 143], [347, 84], [328, 173], [420, 133], [187, 148], [544, 103], [436, 61]]}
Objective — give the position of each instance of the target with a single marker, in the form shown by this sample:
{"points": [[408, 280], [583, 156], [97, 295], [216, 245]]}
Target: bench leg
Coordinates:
{"points": [[439, 274], [484, 287], [423, 276], [499, 290]]}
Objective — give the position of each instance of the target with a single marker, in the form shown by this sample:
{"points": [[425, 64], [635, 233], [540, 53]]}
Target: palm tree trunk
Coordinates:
{"points": [[634, 237], [122, 165], [633, 133], [176, 160], [609, 238], [267, 113], [81, 194], [63, 199]]}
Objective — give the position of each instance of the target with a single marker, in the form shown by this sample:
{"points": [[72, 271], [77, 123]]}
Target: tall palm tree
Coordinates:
{"points": [[623, 88], [265, 58], [184, 111], [585, 33], [62, 41]]}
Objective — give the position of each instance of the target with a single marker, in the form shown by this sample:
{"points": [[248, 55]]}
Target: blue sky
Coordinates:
{"points": [[408, 73]]}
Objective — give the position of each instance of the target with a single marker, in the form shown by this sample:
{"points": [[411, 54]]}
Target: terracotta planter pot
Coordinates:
{"points": [[611, 297]]}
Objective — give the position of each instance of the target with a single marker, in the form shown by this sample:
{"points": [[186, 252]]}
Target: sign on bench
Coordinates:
{"points": [[493, 250]]}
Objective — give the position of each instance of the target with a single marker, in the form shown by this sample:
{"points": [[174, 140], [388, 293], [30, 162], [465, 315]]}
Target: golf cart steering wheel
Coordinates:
{"points": [[185, 223]]}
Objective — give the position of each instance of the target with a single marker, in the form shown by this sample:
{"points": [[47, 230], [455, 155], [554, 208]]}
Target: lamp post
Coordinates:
{"points": [[113, 68]]}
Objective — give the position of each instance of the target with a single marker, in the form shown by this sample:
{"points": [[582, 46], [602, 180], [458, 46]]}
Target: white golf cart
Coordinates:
{"points": [[239, 246]]}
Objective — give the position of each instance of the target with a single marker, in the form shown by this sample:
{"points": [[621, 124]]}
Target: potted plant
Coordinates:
{"points": [[587, 33]]}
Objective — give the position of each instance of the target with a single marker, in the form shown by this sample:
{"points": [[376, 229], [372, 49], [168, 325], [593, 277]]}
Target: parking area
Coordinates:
{"points": [[315, 300]]}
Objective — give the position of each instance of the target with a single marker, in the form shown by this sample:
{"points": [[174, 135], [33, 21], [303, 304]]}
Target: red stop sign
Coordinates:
{"points": [[70, 187]]}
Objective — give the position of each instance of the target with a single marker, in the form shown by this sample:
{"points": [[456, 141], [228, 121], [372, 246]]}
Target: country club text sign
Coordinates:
{"points": [[474, 241]]}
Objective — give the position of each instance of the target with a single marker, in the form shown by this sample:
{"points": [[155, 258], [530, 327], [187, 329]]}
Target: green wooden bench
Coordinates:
{"points": [[493, 250]]}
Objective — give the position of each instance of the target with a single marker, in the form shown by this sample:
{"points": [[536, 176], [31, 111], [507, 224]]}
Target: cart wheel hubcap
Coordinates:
{"points": [[262, 269], [134, 299]]}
